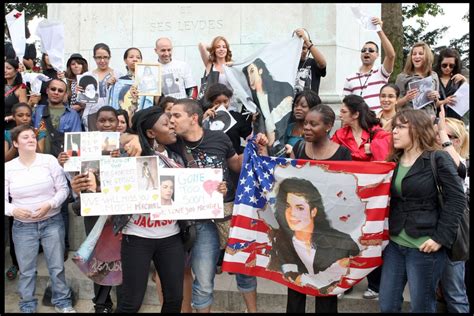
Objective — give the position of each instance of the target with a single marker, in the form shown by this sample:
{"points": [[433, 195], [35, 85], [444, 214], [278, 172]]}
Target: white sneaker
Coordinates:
{"points": [[370, 294], [68, 309]]}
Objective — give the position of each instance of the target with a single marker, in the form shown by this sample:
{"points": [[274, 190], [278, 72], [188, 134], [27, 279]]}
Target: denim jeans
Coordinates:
{"points": [[27, 238], [204, 257], [246, 283], [454, 288], [421, 270]]}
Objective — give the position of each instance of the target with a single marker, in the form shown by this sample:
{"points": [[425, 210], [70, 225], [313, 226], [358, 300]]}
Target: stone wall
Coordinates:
{"points": [[247, 27]]}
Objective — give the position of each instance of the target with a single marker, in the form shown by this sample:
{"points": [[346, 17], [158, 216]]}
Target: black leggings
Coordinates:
{"points": [[296, 303], [168, 257]]}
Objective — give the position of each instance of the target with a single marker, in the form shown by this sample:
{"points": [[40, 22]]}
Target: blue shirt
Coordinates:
{"points": [[70, 120]]}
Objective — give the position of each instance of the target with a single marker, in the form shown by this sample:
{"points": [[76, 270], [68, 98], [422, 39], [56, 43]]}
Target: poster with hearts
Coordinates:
{"points": [[136, 185], [190, 193]]}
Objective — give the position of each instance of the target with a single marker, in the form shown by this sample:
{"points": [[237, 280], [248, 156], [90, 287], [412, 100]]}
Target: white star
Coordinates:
{"points": [[247, 165], [242, 181], [273, 158], [265, 163], [240, 196], [255, 183], [253, 199], [266, 175], [250, 173], [247, 189]]}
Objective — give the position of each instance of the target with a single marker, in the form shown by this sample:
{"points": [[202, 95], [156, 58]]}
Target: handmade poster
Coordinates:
{"points": [[16, 27], [98, 257], [343, 204], [424, 86], [462, 100], [222, 121], [88, 145], [364, 20], [134, 185], [148, 79], [189, 194], [90, 84]]}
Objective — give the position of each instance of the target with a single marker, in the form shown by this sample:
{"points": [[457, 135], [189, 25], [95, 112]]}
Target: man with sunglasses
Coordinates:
{"points": [[57, 117], [368, 81]]}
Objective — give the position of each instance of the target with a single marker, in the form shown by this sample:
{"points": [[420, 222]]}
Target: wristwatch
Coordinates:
{"points": [[446, 144]]}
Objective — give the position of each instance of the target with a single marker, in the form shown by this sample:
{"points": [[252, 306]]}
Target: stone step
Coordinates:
{"points": [[271, 296]]}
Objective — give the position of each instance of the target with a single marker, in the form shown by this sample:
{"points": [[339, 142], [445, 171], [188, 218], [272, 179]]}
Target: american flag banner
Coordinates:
{"points": [[318, 227]]}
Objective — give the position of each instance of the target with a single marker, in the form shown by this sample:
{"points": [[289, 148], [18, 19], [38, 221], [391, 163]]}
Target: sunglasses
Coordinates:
{"points": [[447, 65], [370, 50], [57, 89]]}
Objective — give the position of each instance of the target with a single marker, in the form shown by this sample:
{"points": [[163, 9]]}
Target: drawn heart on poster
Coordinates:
{"points": [[127, 187], [117, 188], [155, 196], [216, 211], [210, 186], [87, 210]]}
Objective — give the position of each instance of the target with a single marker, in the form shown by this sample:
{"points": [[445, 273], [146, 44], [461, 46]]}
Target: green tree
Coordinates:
{"points": [[392, 25]]}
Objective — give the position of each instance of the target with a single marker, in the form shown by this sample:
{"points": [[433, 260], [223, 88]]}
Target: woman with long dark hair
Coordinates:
{"points": [[361, 131], [448, 68], [15, 90], [420, 228]]}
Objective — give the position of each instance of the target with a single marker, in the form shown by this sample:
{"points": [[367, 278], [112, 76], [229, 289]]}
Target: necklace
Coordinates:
{"points": [[362, 86], [189, 149]]}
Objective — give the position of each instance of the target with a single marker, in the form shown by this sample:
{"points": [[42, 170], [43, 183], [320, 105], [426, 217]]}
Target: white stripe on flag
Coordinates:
{"points": [[365, 179], [249, 235], [373, 227], [380, 201]]}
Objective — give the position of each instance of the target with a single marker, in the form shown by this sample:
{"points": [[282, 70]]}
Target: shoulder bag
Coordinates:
{"points": [[460, 249]]}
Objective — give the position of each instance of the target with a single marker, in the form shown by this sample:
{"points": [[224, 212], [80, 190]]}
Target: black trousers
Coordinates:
{"points": [[373, 278], [167, 255], [102, 297], [296, 303]]}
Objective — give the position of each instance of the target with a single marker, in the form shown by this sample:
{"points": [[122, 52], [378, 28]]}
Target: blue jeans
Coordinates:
{"points": [[204, 257], [454, 288], [246, 283], [421, 270], [27, 238]]}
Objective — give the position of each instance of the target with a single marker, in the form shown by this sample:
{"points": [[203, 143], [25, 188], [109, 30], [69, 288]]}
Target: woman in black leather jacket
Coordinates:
{"points": [[420, 230]]}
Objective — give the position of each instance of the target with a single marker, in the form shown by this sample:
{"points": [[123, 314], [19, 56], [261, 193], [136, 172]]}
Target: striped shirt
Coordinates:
{"points": [[368, 86], [30, 187]]}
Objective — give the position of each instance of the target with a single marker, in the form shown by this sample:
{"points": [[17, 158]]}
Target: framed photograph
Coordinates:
{"points": [[148, 79]]}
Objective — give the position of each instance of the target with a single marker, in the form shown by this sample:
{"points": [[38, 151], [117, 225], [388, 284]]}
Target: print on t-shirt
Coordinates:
{"points": [[303, 79]]}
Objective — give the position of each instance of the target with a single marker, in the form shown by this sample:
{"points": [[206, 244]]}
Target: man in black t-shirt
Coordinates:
{"points": [[310, 70], [205, 149]]}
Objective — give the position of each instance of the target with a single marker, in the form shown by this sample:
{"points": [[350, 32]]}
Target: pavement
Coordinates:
{"points": [[271, 296]]}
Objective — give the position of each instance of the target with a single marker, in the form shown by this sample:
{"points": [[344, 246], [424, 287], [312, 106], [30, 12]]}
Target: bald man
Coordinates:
{"points": [[179, 71]]}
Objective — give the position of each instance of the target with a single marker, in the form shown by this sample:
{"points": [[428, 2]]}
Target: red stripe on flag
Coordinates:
{"points": [[372, 167], [249, 223], [370, 191], [376, 214]]}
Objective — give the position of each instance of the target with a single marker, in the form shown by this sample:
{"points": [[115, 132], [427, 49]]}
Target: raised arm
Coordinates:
{"points": [[387, 46], [318, 56], [204, 54]]}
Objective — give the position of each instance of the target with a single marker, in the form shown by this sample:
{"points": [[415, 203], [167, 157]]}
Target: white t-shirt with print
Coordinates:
{"points": [[182, 76]]}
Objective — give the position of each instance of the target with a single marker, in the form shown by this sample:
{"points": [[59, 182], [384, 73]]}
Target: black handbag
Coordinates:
{"points": [[460, 249], [207, 80]]}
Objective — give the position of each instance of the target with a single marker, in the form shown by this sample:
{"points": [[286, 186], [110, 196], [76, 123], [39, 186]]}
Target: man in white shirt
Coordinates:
{"points": [[368, 81], [180, 71]]}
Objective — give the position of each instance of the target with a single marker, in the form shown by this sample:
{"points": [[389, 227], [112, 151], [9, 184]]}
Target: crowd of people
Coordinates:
{"points": [[378, 122]]}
